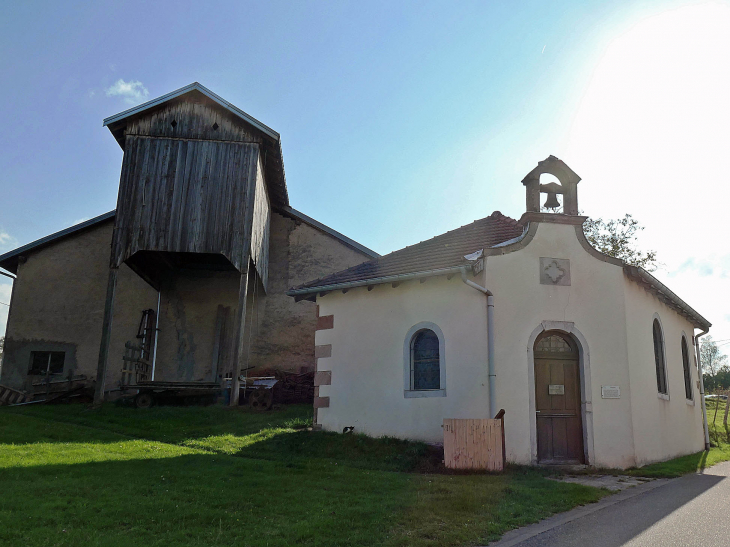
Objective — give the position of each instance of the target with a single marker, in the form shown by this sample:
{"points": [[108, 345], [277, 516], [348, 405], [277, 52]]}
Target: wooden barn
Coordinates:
{"points": [[204, 245]]}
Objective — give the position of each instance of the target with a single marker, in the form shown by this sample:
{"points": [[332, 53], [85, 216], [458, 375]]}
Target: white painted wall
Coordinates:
{"points": [[594, 303], [663, 428], [367, 366], [606, 310]]}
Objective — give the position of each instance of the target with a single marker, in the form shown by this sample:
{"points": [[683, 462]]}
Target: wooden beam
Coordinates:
{"points": [[239, 353], [344, 291], [106, 334], [371, 287], [394, 285]]}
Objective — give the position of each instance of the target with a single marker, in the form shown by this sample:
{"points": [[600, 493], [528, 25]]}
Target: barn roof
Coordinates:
{"points": [[437, 254], [9, 260], [275, 177]]}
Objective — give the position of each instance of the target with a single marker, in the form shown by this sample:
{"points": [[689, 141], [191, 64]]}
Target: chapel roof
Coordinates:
{"points": [[439, 253]]}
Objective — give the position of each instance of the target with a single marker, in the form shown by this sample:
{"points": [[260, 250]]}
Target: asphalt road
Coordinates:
{"points": [[691, 511]]}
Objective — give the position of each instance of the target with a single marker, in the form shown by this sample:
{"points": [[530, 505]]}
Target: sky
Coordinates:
{"points": [[399, 120]]}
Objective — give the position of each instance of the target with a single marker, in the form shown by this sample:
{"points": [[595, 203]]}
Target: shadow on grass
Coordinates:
{"points": [[168, 424], [276, 436], [286, 486]]}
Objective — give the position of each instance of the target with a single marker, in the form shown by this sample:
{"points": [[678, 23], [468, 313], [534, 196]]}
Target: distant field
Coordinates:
{"points": [[169, 476]]}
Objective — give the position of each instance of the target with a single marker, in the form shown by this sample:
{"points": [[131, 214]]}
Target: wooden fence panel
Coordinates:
{"points": [[473, 444]]}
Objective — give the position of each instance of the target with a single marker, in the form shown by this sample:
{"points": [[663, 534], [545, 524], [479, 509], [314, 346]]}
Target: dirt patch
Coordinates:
{"points": [[615, 483]]}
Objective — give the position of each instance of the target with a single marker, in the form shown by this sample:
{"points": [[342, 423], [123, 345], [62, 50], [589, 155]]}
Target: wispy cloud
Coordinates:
{"points": [[6, 240], [79, 221], [133, 92], [707, 266]]}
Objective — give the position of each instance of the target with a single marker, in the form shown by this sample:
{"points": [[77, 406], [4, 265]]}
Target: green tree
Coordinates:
{"points": [[618, 238], [713, 360]]}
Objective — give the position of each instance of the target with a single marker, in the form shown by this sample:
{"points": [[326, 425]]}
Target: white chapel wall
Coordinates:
{"points": [[663, 428], [367, 389], [369, 329], [594, 303]]}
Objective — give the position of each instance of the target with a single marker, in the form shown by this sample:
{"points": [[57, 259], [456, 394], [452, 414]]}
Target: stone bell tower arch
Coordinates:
{"points": [[568, 186]]}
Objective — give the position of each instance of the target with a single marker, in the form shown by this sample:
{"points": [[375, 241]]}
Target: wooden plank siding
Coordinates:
{"points": [[194, 119], [180, 195], [473, 444], [260, 227]]}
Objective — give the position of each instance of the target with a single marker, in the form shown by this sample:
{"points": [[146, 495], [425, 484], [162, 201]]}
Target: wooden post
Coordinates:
{"points": [[500, 417], [106, 334], [240, 340]]}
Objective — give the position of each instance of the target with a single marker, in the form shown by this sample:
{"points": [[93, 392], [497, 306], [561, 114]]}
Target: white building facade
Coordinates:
{"points": [[593, 360]]}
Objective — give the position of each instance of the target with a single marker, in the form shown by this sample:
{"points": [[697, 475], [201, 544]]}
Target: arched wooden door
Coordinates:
{"points": [[557, 400]]}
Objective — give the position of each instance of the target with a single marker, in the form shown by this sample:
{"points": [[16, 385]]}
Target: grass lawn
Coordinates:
{"points": [[214, 476]]}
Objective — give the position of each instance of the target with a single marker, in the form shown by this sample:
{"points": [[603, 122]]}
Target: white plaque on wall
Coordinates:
{"points": [[610, 392], [556, 389]]}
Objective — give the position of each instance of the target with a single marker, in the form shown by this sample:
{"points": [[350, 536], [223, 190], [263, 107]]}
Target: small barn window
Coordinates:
{"points": [[42, 362], [423, 354], [685, 364], [659, 359]]}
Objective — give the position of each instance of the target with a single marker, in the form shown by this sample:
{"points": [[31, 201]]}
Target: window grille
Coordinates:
{"points": [[685, 364], [425, 361], [554, 344], [661, 371]]}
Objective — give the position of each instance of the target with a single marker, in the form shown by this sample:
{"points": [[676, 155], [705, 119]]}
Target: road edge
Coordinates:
{"points": [[518, 535]]}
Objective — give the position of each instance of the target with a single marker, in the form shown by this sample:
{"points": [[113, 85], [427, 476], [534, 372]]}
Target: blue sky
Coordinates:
{"points": [[399, 120]]}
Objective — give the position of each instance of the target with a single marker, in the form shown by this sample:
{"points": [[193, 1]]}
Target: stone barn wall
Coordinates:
{"points": [[58, 305], [284, 329]]}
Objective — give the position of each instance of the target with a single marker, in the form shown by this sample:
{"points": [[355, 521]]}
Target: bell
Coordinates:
{"points": [[552, 201]]}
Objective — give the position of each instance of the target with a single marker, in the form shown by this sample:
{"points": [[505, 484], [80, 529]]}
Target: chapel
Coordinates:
{"points": [[591, 358]]}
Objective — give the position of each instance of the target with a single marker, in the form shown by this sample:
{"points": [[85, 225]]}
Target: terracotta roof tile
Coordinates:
{"points": [[443, 251]]}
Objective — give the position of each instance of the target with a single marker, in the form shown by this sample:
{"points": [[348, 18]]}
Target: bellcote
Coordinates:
{"points": [[568, 187]]}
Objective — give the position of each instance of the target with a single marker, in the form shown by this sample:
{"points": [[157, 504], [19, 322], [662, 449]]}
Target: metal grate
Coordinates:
{"points": [[554, 344]]}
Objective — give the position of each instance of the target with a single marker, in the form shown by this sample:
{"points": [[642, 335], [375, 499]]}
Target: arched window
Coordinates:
{"points": [[425, 361], [661, 371], [685, 364]]}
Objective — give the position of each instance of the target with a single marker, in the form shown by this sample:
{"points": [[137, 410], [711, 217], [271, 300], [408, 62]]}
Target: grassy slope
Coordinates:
{"points": [[212, 476]]}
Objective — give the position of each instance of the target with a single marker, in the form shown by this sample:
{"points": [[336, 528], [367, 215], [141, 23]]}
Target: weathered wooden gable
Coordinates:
{"points": [[192, 118], [188, 184]]}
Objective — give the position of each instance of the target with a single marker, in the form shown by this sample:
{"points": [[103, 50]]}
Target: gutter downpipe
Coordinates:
{"points": [[492, 376], [702, 387]]}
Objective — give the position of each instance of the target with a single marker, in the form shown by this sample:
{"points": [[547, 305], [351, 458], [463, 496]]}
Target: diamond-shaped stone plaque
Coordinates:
{"points": [[554, 271]]}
